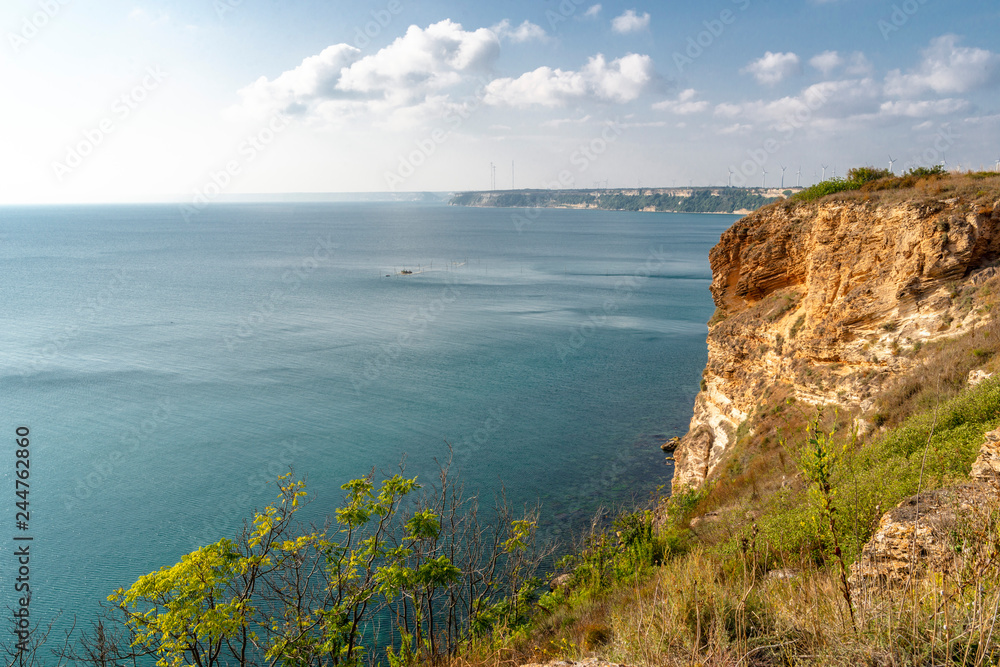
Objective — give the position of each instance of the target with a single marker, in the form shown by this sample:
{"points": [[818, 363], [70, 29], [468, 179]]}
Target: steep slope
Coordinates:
{"points": [[824, 301]]}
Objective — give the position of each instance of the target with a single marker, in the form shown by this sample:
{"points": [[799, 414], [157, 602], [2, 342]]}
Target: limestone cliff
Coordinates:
{"points": [[821, 301]]}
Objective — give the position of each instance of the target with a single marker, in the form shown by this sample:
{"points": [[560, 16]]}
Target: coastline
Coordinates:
{"points": [[741, 212]]}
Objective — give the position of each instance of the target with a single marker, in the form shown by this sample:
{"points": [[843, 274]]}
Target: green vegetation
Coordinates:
{"points": [[869, 179], [394, 578], [765, 579], [856, 180]]}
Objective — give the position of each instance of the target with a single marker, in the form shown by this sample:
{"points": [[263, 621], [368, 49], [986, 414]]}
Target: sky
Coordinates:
{"points": [[196, 100]]}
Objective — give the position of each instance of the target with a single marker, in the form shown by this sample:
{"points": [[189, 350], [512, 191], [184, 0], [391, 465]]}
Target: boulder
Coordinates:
{"points": [[919, 535], [977, 376]]}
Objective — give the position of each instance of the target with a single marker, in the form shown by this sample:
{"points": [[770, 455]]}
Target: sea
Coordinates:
{"points": [[169, 364]]}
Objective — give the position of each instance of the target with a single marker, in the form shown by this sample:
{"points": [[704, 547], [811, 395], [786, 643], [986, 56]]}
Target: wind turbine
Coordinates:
{"points": [[998, 165], [798, 177], [891, 162], [731, 174], [783, 177], [824, 171], [944, 161], [763, 179]]}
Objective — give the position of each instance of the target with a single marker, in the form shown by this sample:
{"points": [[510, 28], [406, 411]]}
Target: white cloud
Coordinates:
{"points": [[684, 105], [922, 109], [623, 80], [858, 65], [559, 122], [736, 128], [543, 86], [592, 11], [630, 22], [947, 68], [410, 73], [422, 58], [295, 90], [815, 104], [525, 32], [826, 62], [773, 68], [727, 110]]}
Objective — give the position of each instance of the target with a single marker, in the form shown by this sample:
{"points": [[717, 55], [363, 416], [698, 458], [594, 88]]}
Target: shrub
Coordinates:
{"points": [[923, 172]]}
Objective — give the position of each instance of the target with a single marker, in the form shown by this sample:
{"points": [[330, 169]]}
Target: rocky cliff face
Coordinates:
{"points": [[820, 301]]}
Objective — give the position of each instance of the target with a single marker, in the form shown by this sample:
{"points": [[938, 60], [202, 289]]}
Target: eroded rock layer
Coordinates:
{"points": [[821, 299]]}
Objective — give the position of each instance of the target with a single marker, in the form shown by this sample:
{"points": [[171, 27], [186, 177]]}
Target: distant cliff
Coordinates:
{"points": [[826, 301], [677, 200]]}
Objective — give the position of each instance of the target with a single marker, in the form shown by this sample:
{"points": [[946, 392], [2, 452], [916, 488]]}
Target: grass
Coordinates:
{"points": [[944, 367], [770, 593], [978, 189], [743, 571]]}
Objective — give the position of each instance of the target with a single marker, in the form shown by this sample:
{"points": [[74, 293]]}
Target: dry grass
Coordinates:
{"points": [[710, 609], [944, 366], [978, 189]]}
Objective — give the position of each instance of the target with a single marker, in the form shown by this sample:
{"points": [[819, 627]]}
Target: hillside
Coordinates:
{"points": [[836, 500], [677, 200], [827, 302]]}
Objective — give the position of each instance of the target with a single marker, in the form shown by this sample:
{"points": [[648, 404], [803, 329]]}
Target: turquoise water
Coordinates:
{"points": [[168, 368]]}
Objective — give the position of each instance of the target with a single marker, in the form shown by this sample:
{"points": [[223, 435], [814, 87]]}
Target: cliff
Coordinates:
{"points": [[825, 302]]}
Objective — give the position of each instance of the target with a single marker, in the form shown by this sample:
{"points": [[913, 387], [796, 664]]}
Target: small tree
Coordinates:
{"points": [[862, 175], [284, 594], [817, 464]]}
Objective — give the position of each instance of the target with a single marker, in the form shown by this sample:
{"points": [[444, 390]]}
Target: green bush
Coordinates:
{"points": [[928, 451], [923, 172]]}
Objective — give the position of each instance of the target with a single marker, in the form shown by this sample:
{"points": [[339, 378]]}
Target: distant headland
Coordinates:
{"points": [[675, 200]]}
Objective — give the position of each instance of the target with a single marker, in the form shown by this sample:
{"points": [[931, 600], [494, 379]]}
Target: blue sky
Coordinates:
{"points": [[138, 100]]}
